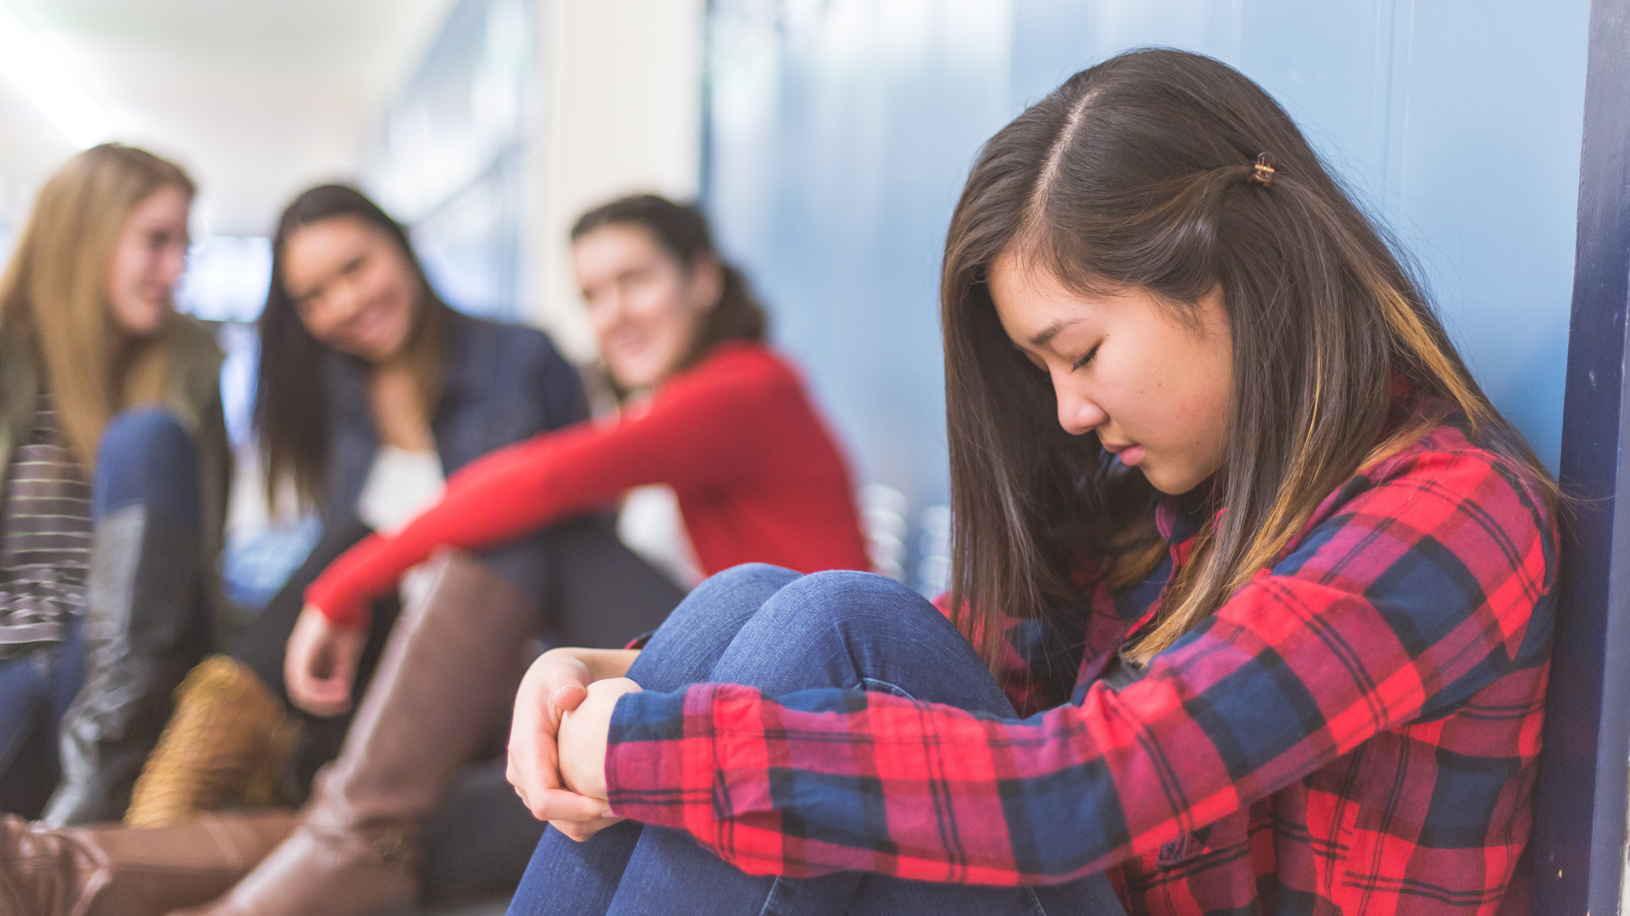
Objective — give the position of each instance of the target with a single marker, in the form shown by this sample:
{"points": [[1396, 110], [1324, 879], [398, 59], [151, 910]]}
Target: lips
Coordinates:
{"points": [[371, 327], [1130, 453]]}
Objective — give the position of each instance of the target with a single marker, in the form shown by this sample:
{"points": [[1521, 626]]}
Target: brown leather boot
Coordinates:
{"points": [[225, 746], [447, 672], [114, 870]]}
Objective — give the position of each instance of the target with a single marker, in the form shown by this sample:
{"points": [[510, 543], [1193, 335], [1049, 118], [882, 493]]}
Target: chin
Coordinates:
{"points": [[1166, 485], [632, 375], [148, 326]]}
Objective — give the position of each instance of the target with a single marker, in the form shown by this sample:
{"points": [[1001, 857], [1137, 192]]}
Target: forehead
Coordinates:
{"points": [[328, 243], [167, 203], [1030, 300], [609, 250]]}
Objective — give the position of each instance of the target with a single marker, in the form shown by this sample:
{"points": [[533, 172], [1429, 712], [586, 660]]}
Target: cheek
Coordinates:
{"points": [[658, 312], [392, 290], [322, 331], [1210, 404], [124, 274]]}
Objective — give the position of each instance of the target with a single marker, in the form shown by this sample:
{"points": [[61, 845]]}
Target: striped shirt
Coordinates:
{"points": [[45, 538]]}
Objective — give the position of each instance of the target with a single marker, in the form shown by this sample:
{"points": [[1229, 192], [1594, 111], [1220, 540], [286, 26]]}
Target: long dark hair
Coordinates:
{"points": [[1143, 171], [291, 408], [683, 232]]}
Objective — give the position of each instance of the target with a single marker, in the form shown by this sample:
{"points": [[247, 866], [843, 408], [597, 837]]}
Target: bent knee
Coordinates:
{"points": [[147, 456], [749, 575], [845, 594]]}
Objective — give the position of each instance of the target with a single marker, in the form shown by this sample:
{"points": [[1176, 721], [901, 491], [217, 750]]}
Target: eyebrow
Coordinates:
{"points": [[1051, 331]]}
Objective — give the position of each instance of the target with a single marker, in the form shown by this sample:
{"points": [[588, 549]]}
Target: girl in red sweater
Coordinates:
{"points": [[723, 421], [727, 425]]}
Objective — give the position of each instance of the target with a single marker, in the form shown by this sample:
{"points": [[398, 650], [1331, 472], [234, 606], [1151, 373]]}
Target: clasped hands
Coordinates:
{"points": [[557, 741]]}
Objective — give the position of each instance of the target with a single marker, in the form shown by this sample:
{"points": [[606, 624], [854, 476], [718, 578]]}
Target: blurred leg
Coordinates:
{"points": [[110, 870], [603, 594], [448, 668], [260, 648], [146, 622], [27, 736], [592, 591]]}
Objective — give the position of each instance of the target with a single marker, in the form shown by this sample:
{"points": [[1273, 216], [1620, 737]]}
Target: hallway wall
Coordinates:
{"points": [[839, 134]]}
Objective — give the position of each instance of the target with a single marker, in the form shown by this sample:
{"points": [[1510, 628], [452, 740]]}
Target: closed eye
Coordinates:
{"points": [[1085, 359]]}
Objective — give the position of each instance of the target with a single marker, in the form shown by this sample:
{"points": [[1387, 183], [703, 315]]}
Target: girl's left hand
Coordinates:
{"points": [[583, 733]]}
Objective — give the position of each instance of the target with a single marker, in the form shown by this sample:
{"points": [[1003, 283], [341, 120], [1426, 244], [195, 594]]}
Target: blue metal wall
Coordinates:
{"points": [[839, 133]]}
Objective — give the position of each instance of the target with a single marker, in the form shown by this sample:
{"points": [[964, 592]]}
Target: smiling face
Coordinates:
{"points": [[646, 307], [148, 260], [352, 286], [1154, 389]]}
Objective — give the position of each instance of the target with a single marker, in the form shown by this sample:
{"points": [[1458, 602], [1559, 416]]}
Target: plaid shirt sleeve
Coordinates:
{"points": [[1413, 586]]}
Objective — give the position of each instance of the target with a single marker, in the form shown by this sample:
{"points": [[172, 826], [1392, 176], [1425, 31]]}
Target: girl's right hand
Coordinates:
{"points": [[555, 684], [320, 663]]}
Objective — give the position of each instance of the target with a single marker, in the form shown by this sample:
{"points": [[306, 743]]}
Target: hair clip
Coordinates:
{"points": [[1262, 174]]}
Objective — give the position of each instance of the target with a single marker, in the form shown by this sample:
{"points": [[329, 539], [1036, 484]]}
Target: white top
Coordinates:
{"points": [[401, 484]]}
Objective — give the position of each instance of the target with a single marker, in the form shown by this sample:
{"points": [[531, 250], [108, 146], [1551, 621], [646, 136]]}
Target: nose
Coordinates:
{"points": [[340, 303], [1078, 412], [172, 265], [606, 312]]}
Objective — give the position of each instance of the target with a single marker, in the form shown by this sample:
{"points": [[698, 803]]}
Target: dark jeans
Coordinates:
{"points": [[145, 458], [35, 690], [590, 590], [779, 632]]}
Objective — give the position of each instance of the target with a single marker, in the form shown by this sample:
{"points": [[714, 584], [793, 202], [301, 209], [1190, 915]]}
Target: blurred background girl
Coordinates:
{"points": [[727, 425], [115, 463]]}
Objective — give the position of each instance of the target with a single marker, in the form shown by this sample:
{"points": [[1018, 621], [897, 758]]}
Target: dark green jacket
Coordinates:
{"points": [[193, 397]]}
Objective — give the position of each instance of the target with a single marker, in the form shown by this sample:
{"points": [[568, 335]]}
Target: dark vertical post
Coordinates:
{"points": [[1580, 833]]}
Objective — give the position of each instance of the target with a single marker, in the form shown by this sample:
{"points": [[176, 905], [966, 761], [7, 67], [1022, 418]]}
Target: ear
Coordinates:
{"points": [[707, 282]]}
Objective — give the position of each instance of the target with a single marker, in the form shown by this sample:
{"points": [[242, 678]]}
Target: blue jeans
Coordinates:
{"points": [[775, 630], [144, 457], [35, 690]]}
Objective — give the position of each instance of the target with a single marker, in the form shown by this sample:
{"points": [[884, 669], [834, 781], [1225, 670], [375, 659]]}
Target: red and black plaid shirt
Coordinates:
{"points": [[1354, 731]]}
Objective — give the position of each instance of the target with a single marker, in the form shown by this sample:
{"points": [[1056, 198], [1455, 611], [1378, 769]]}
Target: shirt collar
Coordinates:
{"points": [[1179, 517]]}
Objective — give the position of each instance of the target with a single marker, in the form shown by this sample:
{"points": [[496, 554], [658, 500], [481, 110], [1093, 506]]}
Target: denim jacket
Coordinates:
{"points": [[500, 384]]}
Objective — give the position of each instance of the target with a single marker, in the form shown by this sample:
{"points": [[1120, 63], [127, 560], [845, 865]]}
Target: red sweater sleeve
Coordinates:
{"points": [[700, 430]]}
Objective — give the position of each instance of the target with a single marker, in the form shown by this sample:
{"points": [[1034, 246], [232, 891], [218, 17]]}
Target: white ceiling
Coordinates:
{"points": [[257, 98]]}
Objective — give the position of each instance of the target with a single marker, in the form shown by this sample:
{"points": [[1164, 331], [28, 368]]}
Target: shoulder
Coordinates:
{"points": [[196, 358], [480, 339], [1447, 455], [1447, 487], [195, 342]]}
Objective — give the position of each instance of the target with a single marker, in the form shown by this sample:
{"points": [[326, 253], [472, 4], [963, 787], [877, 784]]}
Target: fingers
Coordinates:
{"points": [[582, 830], [560, 805], [316, 695], [322, 696], [582, 737], [320, 663], [556, 684], [568, 696]]}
